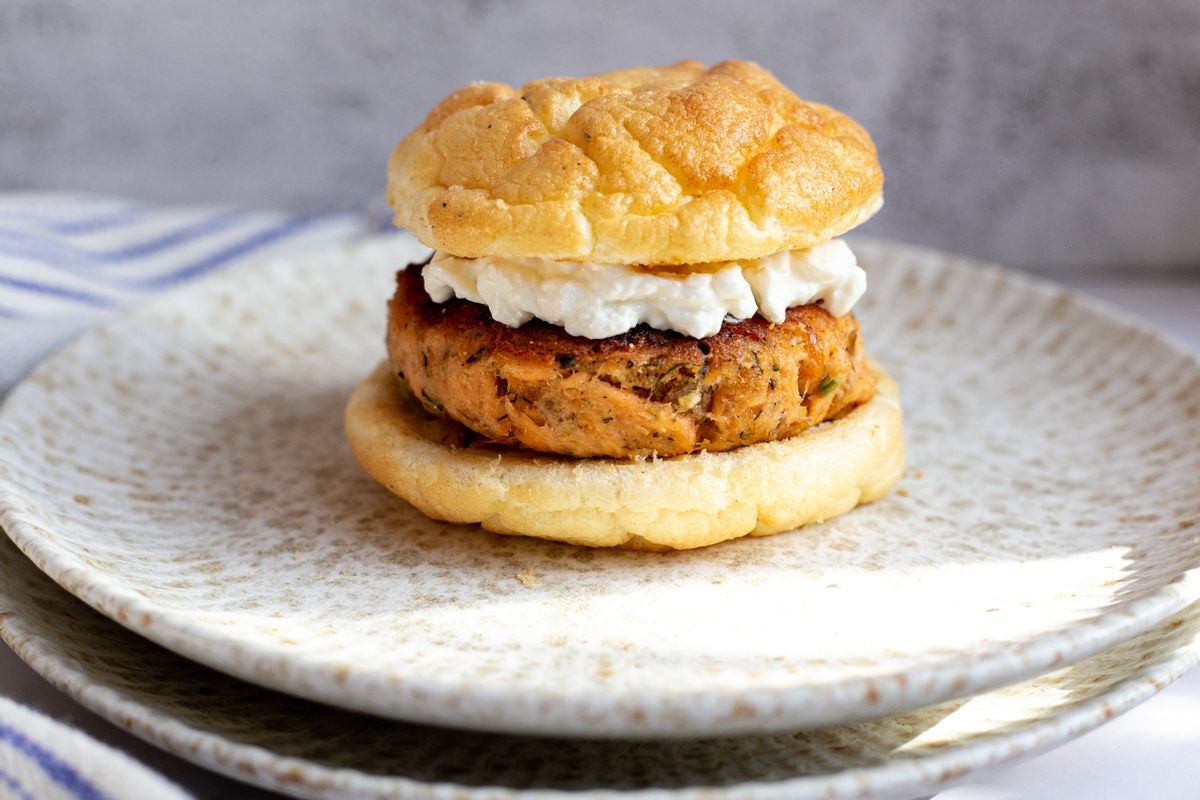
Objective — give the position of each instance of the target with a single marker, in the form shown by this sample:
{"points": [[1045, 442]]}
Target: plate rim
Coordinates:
{"points": [[796, 705], [260, 766]]}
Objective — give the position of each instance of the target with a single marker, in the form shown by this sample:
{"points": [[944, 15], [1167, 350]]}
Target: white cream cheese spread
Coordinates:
{"points": [[601, 300]]}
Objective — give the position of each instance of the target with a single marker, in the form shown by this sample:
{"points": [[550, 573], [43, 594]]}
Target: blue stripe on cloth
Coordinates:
{"points": [[14, 786], [57, 255], [57, 770], [74, 217], [101, 222], [46, 250], [53, 250], [80, 296], [195, 230], [244, 247]]}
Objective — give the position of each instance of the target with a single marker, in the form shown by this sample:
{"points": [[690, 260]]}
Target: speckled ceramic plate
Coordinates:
{"points": [[302, 748], [183, 471]]}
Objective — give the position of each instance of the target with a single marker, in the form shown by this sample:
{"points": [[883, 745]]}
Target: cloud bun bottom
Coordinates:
{"points": [[652, 504]]}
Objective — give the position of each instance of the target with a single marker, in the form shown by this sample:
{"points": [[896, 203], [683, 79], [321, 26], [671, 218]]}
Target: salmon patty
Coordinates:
{"points": [[641, 393]]}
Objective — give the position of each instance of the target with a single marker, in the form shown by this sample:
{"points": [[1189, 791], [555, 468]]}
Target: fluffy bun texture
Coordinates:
{"points": [[659, 165], [679, 503]]}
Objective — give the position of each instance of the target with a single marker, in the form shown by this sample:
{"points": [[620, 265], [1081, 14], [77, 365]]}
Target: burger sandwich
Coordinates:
{"points": [[635, 329]]}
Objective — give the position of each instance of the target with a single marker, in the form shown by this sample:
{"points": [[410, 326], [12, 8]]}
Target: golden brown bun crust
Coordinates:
{"points": [[667, 165], [679, 503], [640, 393]]}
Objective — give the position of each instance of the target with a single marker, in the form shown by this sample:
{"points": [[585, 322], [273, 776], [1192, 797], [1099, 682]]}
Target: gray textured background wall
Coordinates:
{"points": [[1050, 135]]}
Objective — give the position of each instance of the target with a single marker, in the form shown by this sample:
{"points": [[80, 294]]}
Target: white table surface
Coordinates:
{"points": [[1152, 751]]}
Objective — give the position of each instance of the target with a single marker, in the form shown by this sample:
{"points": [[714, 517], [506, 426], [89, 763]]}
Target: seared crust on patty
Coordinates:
{"points": [[645, 392]]}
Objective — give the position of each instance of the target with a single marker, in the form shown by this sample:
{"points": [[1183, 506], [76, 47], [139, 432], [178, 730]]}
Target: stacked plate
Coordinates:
{"points": [[182, 472]]}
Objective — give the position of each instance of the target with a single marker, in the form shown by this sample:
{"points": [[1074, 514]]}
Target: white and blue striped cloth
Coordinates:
{"points": [[44, 760], [68, 261]]}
